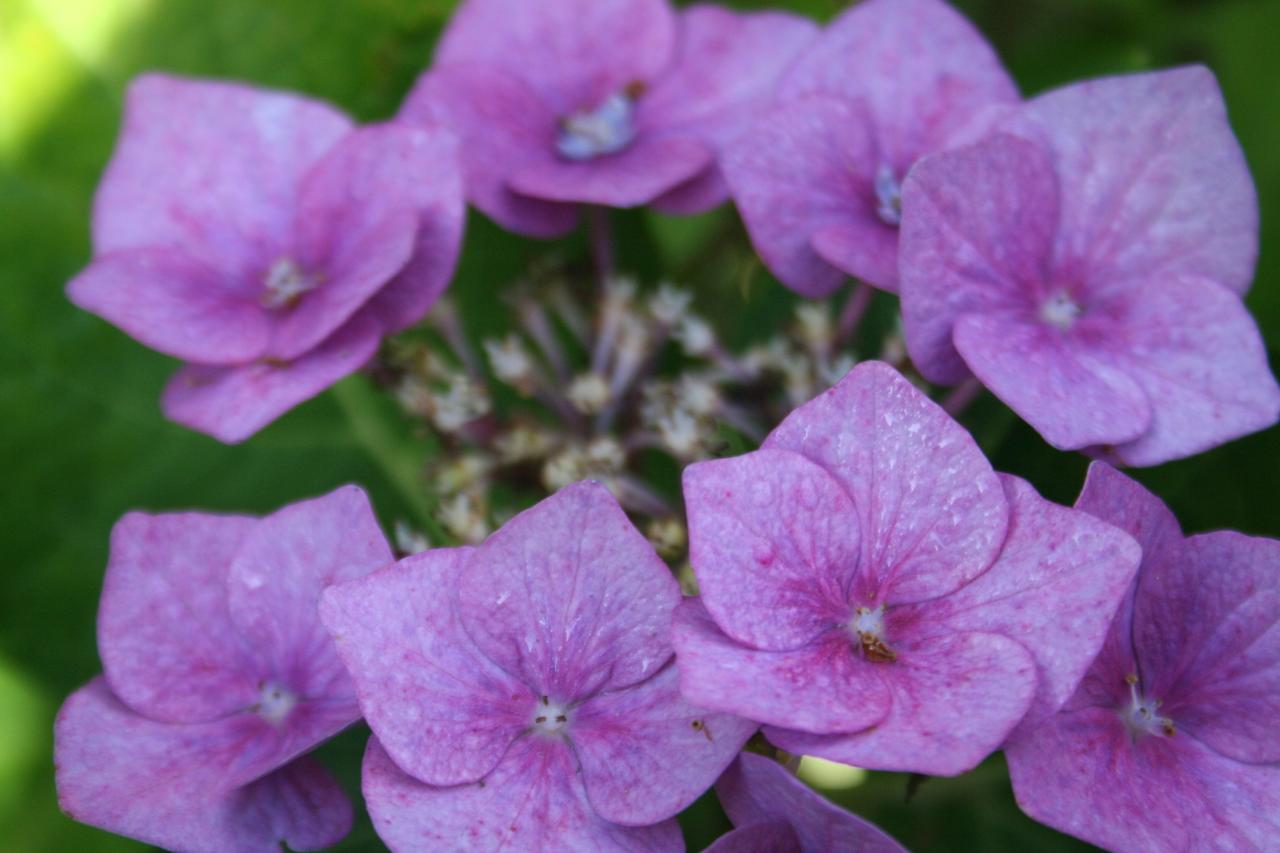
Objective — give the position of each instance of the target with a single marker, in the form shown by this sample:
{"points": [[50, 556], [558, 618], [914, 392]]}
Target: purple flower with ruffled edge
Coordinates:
{"points": [[817, 176], [1170, 742], [1087, 265], [610, 102], [874, 593], [775, 812], [266, 241], [218, 677], [523, 692]]}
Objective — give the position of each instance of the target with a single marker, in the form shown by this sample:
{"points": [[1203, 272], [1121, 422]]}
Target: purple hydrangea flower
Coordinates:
{"points": [[218, 677], [817, 176], [523, 693], [876, 594], [1170, 742], [1087, 266], [267, 242], [775, 812], [611, 102]]}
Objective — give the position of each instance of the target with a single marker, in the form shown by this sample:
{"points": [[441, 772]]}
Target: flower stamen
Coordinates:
{"points": [[606, 129]]}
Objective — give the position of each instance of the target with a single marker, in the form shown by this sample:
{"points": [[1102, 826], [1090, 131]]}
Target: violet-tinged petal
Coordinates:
{"points": [[774, 836], [165, 635], [500, 122], [1073, 395], [232, 403], [931, 511], [533, 800], [652, 164], [1201, 361], [275, 581], [922, 69], [756, 789], [179, 785], [1207, 636], [573, 53], [700, 193], [441, 708], [806, 165], [212, 168], [647, 754], [569, 597], [173, 303], [825, 687], [774, 541], [726, 68], [955, 699], [1055, 588], [1154, 183], [977, 233], [1084, 773]]}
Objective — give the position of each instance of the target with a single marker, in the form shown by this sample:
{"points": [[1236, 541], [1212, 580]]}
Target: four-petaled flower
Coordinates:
{"points": [[876, 594], [610, 102], [817, 175], [218, 677], [264, 240], [1170, 742], [775, 812], [523, 694], [1087, 264]]}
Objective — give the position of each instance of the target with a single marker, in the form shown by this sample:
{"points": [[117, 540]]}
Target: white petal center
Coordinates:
{"points": [[604, 130]]}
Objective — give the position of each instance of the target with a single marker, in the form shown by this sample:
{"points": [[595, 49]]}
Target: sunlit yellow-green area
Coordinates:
{"points": [[81, 436]]}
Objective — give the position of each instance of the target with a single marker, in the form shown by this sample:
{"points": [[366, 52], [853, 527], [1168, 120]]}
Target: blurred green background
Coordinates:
{"points": [[83, 440]]}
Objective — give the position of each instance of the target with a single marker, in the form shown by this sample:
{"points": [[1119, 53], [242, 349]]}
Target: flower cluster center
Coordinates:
{"points": [[1060, 310], [275, 703], [284, 284], [888, 196], [550, 718], [867, 625], [606, 129], [1141, 716]]}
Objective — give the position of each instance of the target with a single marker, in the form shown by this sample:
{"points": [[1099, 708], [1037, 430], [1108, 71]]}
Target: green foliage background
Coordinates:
{"points": [[81, 436]]}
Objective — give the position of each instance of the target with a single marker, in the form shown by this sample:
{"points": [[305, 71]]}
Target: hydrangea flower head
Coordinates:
{"points": [[1170, 742], [610, 102], [876, 594], [218, 677], [267, 242], [1087, 265], [523, 693], [817, 176], [775, 812]]}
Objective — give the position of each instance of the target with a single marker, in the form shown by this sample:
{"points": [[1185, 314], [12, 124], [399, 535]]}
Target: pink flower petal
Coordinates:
{"points": [[955, 699], [501, 123], [173, 303], [1074, 396], [569, 597], [232, 403], [573, 53], [922, 69], [165, 635], [773, 836], [1084, 774], [1154, 184], [647, 754], [703, 191], [804, 166], [179, 786], [276, 579], [774, 541], [533, 800], [978, 226], [442, 709], [1199, 357], [1054, 589], [755, 789], [932, 513], [825, 687], [1207, 636], [212, 168]]}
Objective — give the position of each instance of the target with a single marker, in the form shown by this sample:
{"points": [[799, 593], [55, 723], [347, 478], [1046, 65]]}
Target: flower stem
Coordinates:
{"points": [[600, 232], [961, 397], [855, 308]]}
